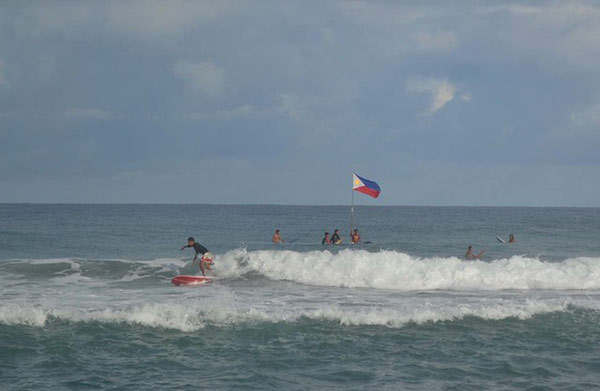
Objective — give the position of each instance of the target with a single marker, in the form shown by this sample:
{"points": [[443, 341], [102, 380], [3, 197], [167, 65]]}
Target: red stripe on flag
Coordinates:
{"points": [[368, 191]]}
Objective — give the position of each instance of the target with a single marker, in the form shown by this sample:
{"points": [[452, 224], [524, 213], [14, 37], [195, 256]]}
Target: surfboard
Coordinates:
{"points": [[190, 280], [500, 239]]}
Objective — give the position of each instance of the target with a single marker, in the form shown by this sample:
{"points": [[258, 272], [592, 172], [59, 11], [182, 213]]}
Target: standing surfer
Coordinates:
{"points": [[207, 258]]}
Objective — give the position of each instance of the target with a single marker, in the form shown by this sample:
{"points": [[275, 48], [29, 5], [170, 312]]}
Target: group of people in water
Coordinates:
{"points": [[207, 259], [471, 255], [327, 240]]}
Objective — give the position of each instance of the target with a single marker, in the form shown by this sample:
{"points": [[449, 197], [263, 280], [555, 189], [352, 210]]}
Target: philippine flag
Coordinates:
{"points": [[365, 186]]}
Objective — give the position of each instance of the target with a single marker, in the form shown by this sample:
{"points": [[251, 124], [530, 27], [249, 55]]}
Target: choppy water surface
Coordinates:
{"points": [[86, 299]]}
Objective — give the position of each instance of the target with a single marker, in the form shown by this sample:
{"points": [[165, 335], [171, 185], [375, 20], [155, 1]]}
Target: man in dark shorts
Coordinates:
{"points": [[207, 258], [335, 238]]}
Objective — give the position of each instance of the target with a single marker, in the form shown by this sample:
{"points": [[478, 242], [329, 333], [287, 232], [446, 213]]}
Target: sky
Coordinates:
{"points": [[279, 102]]}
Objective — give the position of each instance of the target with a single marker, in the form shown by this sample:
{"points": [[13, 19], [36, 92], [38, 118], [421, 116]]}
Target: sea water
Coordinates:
{"points": [[86, 300]]}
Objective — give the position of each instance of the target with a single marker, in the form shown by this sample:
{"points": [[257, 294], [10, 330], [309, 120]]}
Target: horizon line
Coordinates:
{"points": [[296, 205]]}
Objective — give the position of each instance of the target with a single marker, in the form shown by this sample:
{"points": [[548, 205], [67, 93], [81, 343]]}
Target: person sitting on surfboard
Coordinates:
{"points": [[326, 239], [511, 238], [277, 237], [335, 238], [355, 237], [207, 258], [470, 255]]}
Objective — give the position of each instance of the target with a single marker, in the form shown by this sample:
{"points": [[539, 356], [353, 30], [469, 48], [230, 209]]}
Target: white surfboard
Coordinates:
{"points": [[500, 239]]}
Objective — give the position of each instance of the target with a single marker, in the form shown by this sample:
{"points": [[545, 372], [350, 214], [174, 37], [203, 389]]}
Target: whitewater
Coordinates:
{"points": [[350, 287]]}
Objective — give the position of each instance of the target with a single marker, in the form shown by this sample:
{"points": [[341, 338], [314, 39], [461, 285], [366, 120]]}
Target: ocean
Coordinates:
{"points": [[87, 303]]}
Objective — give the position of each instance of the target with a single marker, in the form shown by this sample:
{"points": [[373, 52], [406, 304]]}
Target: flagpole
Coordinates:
{"points": [[352, 211]]}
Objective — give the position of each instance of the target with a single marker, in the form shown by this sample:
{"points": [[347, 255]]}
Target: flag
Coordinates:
{"points": [[365, 186]]}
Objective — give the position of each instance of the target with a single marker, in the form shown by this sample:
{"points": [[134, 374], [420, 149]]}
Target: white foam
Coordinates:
{"points": [[396, 318], [399, 271], [192, 317], [14, 314]]}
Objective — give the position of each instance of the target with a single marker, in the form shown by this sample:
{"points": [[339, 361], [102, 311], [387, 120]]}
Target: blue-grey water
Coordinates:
{"points": [[86, 300]]}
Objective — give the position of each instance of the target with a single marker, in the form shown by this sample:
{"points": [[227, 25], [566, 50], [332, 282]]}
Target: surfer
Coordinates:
{"points": [[511, 238], [326, 239], [277, 237], [470, 255], [335, 238], [207, 258], [355, 237]]}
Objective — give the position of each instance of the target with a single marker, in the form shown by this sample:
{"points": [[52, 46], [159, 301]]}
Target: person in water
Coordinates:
{"points": [[207, 258], [470, 255], [277, 237], [511, 238], [326, 239], [355, 237], [335, 238]]}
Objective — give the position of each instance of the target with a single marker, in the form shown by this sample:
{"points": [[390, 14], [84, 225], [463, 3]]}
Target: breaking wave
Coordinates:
{"points": [[189, 318], [348, 268], [399, 271]]}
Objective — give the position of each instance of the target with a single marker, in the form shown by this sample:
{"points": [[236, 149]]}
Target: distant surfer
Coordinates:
{"points": [[355, 237], [326, 239], [207, 258], [511, 238], [470, 255], [277, 237], [335, 238]]}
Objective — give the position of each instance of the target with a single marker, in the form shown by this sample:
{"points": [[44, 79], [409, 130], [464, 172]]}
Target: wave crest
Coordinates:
{"points": [[189, 318], [399, 271]]}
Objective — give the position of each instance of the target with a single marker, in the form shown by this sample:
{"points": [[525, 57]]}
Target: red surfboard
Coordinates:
{"points": [[190, 280]]}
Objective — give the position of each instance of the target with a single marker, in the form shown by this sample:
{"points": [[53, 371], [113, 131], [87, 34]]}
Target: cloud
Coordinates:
{"points": [[152, 18], [466, 97], [441, 91], [588, 116], [88, 113], [203, 76]]}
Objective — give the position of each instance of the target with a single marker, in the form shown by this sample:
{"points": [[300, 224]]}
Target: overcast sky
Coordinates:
{"points": [[279, 102]]}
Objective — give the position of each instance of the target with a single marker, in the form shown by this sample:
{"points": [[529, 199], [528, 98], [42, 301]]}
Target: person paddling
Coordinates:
{"points": [[335, 238], [277, 237], [207, 259], [470, 255], [355, 237]]}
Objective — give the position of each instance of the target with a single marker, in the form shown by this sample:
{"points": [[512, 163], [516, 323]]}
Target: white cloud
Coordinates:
{"points": [[587, 116], [141, 19], [441, 90], [203, 76], [88, 113]]}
